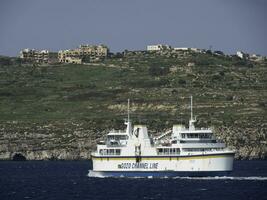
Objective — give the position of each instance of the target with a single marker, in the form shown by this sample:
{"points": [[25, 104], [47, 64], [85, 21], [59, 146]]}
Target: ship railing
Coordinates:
{"points": [[193, 140], [110, 154], [200, 129], [169, 153], [117, 131], [191, 151], [166, 154], [116, 145]]}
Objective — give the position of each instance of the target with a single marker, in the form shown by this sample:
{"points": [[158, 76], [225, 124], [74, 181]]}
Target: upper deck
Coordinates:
{"points": [[136, 141]]}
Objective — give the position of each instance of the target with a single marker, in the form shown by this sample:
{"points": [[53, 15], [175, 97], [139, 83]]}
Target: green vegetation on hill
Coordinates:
{"points": [[230, 95]]}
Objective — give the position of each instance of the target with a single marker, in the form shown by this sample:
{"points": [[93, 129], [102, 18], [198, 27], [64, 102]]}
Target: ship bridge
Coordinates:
{"points": [[117, 138]]}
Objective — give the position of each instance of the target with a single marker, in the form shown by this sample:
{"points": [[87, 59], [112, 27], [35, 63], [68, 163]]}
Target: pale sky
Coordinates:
{"points": [[227, 25]]}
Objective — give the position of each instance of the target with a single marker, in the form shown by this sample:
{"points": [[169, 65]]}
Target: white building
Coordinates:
{"points": [[196, 50], [93, 52], [256, 57], [241, 55], [158, 47], [33, 55], [187, 49], [181, 48]]}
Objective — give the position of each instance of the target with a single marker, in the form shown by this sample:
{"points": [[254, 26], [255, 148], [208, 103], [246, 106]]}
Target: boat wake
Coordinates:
{"points": [[95, 174], [239, 178]]}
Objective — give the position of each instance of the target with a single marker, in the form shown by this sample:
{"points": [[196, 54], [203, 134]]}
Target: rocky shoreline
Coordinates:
{"points": [[76, 140]]}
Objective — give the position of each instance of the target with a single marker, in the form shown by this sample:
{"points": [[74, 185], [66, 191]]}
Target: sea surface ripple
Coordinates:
{"points": [[69, 180]]}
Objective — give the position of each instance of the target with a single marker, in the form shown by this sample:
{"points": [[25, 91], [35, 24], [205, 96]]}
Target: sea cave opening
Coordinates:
{"points": [[18, 157]]}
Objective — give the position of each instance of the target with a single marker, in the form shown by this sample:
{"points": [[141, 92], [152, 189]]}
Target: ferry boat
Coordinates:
{"points": [[180, 152]]}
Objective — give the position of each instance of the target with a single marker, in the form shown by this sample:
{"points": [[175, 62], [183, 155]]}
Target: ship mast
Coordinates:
{"points": [[192, 120], [128, 123], [128, 110], [191, 107]]}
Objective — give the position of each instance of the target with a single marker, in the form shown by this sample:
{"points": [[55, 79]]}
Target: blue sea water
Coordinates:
{"points": [[69, 180]]}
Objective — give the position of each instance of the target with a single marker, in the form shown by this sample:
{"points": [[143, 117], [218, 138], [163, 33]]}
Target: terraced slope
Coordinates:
{"points": [[59, 111]]}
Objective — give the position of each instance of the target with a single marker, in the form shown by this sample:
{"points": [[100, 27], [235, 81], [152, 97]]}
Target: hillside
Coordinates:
{"points": [[59, 111]]}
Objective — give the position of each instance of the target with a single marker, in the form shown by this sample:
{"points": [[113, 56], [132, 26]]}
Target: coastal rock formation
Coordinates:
{"points": [[75, 141]]}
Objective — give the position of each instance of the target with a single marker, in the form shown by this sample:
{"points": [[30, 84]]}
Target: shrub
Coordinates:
{"points": [[182, 82], [158, 71]]}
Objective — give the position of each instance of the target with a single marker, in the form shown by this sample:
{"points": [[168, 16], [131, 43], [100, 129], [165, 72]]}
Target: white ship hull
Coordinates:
{"points": [[176, 152], [190, 165]]}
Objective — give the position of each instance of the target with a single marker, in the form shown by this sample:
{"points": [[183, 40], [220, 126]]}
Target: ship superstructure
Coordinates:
{"points": [[180, 151]]}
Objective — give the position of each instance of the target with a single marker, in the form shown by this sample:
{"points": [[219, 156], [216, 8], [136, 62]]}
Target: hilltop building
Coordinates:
{"points": [[38, 56], [256, 58], [242, 55], [181, 48], [188, 49], [158, 47], [84, 53], [162, 47], [32, 55]]}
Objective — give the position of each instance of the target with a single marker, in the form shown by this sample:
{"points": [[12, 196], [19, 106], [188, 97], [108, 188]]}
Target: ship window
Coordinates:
{"points": [[123, 137], [168, 151], [118, 151], [192, 135], [110, 151], [160, 151], [193, 149], [205, 135], [114, 143], [117, 137], [111, 137]]}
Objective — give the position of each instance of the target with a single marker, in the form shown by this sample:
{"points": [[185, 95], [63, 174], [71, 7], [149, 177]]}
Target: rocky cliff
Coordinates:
{"points": [[76, 140]]}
